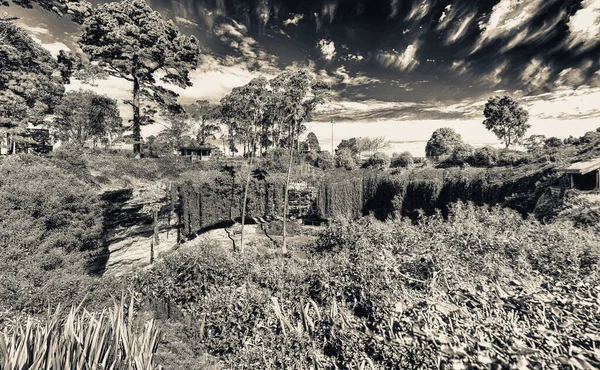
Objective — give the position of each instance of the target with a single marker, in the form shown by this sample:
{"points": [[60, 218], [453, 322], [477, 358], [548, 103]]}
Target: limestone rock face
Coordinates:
{"points": [[129, 227]]}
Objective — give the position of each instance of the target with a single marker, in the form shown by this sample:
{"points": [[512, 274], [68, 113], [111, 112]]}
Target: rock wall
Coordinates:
{"points": [[129, 227]]}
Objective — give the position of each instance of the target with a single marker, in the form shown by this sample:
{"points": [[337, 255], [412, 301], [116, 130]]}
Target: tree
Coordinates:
{"points": [[131, 41], [299, 93], [313, 142], [506, 119], [345, 159], [553, 142], [372, 144], [352, 145], [204, 114], [534, 143], [176, 134], [461, 154], [84, 115], [28, 89], [442, 142], [243, 110]]}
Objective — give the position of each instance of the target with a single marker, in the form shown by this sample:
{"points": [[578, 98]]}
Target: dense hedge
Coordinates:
{"points": [[423, 191], [217, 198]]}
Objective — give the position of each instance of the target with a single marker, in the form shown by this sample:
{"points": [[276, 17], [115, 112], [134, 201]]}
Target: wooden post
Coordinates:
{"points": [[572, 182], [597, 179]]}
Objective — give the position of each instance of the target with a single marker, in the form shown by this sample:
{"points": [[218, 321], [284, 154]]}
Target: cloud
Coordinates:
{"points": [[584, 25], [327, 49], [185, 22], [294, 20], [358, 80], [461, 29], [419, 10], [405, 61], [565, 104], [536, 74], [530, 36], [507, 16], [394, 8]]}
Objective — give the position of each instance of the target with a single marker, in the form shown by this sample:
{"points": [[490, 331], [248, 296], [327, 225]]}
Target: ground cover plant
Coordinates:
{"points": [[476, 290]]}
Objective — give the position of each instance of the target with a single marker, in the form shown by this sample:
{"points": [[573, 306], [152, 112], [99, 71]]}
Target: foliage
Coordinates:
{"points": [[312, 142], [28, 89], [133, 42], [553, 142], [84, 115], [51, 225], [204, 114], [378, 161], [322, 160], [461, 154], [402, 160], [442, 142], [506, 119], [484, 156], [535, 143], [78, 9], [394, 295], [82, 340], [344, 158], [351, 145]]}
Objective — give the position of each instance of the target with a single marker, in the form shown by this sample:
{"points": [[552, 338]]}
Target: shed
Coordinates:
{"points": [[196, 152], [584, 175]]}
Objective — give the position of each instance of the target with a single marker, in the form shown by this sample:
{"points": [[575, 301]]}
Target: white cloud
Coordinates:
{"points": [[461, 30], [584, 26], [345, 78], [185, 22], [327, 49], [536, 74], [581, 103], [294, 20], [419, 10], [507, 16], [405, 61]]}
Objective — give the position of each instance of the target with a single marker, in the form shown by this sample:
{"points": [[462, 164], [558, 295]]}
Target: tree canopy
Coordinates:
{"points": [[28, 89], [78, 9], [131, 41], [506, 119], [442, 142], [84, 115]]}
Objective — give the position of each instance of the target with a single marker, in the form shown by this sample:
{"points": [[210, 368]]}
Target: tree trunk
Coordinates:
{"points": [[137, 132], [285, 200], [245, 201]]}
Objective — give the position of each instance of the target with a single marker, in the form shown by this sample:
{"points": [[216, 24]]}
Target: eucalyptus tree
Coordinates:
{"points": [[298, 93], [205, 115], [131, 41], [507, 119], [28, 88], [245, 108], [77, 9]]}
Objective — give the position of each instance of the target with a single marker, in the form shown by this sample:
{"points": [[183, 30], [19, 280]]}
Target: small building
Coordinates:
{"points": [[584, 175], [201, 152]]}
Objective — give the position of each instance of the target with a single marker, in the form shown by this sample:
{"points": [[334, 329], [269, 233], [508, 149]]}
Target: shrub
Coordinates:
{"points": [[50, 225], [553, 142], [378, 161], [403, 160], [461, 154], [486, 156], [345, 159], [442, 142], [508, 157]]}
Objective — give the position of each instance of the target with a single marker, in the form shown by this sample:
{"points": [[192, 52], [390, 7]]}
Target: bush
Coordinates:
{"points": [[50, 225], [461, 154], [508, 157], [486, 156], [403, 160], [322, 160], [378, 161], [344, 159], [442, 142]]}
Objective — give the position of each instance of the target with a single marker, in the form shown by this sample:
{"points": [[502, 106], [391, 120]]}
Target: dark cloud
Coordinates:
{"points": [[419, 51]]}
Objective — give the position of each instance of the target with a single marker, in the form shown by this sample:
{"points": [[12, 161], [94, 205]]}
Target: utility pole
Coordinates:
{"points": [[332, 136]]}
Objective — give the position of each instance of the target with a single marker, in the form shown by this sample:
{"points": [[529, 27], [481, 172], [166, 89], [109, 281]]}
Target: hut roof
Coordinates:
{"points": [[582, 168], [200, 147]]}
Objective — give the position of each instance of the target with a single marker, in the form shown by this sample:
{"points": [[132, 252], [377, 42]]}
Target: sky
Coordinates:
{"points": [[398, 68]]}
